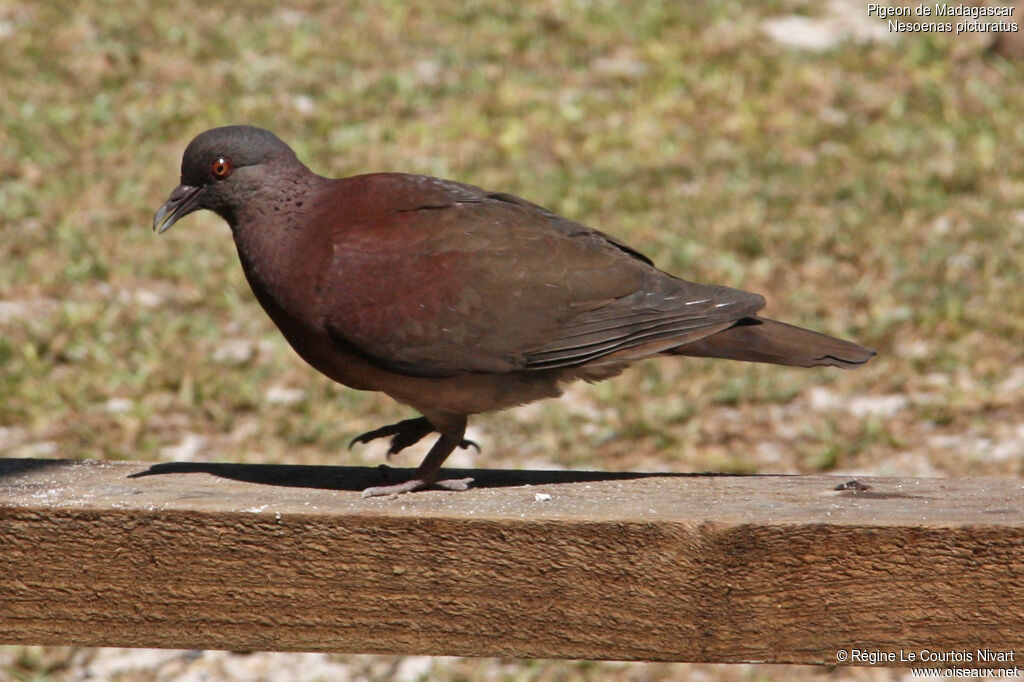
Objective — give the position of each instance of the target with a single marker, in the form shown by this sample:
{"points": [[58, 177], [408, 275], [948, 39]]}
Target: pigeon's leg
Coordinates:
{"points": [[405, 433], [452, 428]]}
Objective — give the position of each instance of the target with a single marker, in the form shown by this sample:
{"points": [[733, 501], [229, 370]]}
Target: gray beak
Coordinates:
{"points": [[181, 202]]}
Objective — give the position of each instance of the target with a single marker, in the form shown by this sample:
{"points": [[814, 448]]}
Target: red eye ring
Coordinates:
{"points": [[221, 167]]}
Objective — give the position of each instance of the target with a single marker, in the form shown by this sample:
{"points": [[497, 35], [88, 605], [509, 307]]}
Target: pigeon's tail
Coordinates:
{"points": [[756, 339]]}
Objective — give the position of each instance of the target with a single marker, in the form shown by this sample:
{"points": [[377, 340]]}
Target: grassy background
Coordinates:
{"points": [[873, 191]]}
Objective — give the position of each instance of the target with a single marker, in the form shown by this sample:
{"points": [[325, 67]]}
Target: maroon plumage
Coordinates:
{"points": [[455, 300]]}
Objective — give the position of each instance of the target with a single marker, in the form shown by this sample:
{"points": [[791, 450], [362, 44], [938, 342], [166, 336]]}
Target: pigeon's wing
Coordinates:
{"points": [[435, 278]]}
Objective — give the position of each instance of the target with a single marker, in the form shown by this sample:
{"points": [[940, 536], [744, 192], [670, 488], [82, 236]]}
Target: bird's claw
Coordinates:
{"points": [[403, 434]]}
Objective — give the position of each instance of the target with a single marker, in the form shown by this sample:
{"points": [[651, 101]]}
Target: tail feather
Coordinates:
{"points": [[757, 339]]}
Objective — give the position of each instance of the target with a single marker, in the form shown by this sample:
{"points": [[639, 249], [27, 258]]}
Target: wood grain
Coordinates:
{"points": [[612, 566]]}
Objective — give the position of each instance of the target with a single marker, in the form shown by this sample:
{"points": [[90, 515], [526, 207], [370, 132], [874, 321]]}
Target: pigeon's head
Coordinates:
{"points": [[221, 169]]}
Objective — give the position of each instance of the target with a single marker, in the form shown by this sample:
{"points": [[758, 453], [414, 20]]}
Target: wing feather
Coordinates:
{"points": [[470, 281]]}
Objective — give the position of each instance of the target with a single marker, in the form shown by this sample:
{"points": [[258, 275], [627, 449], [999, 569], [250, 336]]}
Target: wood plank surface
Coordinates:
{"points": [[592, 565]]}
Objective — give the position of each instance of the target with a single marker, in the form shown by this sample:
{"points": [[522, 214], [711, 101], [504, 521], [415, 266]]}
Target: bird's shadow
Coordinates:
{"points": [[357, 479], [360, 478]]}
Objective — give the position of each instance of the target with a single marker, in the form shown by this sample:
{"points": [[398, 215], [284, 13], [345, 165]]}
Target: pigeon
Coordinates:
{"points": [[455, 300]]}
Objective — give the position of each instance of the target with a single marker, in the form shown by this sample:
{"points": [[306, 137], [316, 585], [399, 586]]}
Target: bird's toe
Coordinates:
{"points": [[453, 484], [456, 484], [394, 490]]}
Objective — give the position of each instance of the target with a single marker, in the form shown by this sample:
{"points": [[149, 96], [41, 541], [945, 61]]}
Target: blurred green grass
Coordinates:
{"points": [[872, 191]]}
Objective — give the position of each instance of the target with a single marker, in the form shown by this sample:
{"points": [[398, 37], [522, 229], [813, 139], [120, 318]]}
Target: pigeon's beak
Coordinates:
{"points": [[183, 200]]}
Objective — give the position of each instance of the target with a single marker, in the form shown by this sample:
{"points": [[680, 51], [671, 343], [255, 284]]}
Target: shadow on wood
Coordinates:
{"points": [[357, 479]]}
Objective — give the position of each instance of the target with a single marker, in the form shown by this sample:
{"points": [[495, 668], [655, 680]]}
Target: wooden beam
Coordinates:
{"points": [[527, 564]]}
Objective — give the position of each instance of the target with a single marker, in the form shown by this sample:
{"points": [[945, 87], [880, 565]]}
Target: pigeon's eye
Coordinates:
{"points": [[221, 168]]}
